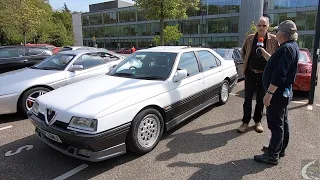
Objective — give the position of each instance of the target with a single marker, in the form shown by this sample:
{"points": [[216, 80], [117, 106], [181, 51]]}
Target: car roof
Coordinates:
{"points": [[172, 49], [78, 52]]}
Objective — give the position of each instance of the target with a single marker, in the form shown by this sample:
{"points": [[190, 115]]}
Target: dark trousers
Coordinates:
{"points": [[277, 118], [252, 83]]}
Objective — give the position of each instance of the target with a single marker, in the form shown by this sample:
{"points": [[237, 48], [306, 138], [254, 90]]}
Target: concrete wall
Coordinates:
{"points": [[77, 29], [250, 10]]}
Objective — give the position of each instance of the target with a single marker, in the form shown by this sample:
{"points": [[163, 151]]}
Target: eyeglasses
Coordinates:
{"points": [[259, 25]]}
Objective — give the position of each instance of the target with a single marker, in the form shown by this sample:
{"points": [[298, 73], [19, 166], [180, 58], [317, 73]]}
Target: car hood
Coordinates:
{"points": [[19, 80], [89, 97]]}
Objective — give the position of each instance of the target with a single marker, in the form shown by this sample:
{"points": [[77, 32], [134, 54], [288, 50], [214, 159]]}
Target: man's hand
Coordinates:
{"points": [[265, 54], [266, 100]]}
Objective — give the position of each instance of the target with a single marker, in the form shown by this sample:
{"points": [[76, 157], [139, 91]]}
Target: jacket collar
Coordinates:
{"points": [[268, 35]]}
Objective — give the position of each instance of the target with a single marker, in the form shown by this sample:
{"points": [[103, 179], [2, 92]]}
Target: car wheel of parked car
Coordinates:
{"points": [[146, 131], [224, 92], [28, 98]]}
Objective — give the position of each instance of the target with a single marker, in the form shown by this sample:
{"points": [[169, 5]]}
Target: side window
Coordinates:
{"points": [[208, 60], [12, 52], [34, 51], [90, 60], [236, 54], [189, 62]]}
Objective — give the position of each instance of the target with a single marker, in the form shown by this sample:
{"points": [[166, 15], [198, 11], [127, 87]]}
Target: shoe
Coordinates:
{"points": [[265, 158], [258, 128], [243, 127], [265, 150]]}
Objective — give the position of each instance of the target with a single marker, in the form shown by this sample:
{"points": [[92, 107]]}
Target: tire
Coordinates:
{"points": [[23, 105], [138, 144], [224, 93]]}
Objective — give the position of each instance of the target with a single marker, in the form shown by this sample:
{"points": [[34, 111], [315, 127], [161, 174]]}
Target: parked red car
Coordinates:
{"points": [[303, 78]]}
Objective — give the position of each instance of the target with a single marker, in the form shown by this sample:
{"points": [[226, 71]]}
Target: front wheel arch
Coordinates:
{"points": [[26, 90]]}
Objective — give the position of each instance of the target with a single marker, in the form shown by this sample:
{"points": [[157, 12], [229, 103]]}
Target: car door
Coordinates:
{"points": [[12, 58], [238, 61], [212, 73], [93, 65], [187, 93]]}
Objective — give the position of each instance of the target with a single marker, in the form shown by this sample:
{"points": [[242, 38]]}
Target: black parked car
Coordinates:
{"points": [[18, 57], [232, 54]]}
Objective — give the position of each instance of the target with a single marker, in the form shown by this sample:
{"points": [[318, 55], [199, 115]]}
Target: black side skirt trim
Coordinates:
{"points": [[186, 115]]}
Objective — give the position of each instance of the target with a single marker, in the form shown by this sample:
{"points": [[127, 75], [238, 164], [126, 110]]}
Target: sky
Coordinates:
{"points": [[77, 5]]}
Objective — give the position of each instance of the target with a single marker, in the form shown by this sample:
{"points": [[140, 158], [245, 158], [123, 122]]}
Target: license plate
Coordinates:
{"points": [[52, 136]]}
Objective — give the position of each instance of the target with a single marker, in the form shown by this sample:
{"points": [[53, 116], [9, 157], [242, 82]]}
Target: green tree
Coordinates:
{"points": [[165, 9], [253, 29], [27, 18], [171, 35]]}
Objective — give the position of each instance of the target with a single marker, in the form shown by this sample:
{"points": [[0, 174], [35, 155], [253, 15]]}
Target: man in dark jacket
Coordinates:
{"points": [[277, 79]]}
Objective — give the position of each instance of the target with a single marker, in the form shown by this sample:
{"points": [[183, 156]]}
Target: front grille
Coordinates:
{"points": [[61, 124], [41, 116]]}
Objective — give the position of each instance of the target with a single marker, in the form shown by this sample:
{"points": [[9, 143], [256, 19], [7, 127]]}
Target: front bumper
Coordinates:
{"points": [[8, 103], [94, 148]]}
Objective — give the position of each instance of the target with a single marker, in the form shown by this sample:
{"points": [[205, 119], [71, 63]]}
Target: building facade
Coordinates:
{"points": [[115, 25]]}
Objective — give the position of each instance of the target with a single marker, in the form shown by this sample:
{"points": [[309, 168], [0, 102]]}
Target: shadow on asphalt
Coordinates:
{"points": [[234, 170], [198, 142], [6, 118]]}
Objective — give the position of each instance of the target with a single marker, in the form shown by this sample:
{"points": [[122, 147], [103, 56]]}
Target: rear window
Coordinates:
{"points": [[34, 51], [303, 57], [66, 49]]}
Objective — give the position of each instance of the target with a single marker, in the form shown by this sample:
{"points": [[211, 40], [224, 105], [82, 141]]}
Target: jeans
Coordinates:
{"points": [[277, 118], [252, 83]]}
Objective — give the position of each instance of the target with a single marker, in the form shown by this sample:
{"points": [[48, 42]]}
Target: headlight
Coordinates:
{"points": [[35, 108], [83, 123]]}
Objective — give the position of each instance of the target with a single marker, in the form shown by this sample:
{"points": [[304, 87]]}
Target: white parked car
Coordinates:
{"points": [[150, 91], [20, 88]]}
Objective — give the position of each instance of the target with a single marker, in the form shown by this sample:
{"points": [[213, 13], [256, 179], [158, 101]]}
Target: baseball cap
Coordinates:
{"points": [[286, 26]]}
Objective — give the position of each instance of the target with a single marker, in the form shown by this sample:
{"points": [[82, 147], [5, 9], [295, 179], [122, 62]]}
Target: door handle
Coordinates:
{"points": [[25, 60]]}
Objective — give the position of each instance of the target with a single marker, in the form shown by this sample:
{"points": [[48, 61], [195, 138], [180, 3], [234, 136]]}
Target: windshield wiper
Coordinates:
{"points": [[150, 77], [50, 68], [123, 74]]}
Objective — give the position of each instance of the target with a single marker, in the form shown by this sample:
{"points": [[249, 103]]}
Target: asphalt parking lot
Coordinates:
{"points": [[206, 146]]}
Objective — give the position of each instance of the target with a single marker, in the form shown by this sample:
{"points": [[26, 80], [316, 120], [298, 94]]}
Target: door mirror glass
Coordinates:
{"points": [[76, 68], [180, 74]]}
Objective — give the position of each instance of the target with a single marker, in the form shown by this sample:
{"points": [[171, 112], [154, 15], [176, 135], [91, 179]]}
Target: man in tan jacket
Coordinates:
{"points": [[253, 66]]}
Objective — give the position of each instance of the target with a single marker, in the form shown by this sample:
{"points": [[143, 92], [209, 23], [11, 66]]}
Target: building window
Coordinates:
{"points": [[301, 21], [311, 20]]}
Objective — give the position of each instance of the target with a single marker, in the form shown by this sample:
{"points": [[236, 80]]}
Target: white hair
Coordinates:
{"points": [[264, 18], [291, 36]]}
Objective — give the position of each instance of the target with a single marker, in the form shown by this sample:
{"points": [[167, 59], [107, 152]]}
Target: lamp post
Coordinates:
{"points": [[202, 14], [315, 58]]}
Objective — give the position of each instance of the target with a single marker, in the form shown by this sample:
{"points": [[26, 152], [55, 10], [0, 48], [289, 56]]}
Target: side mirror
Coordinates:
{"points": [[180, 74], [76, 68]]}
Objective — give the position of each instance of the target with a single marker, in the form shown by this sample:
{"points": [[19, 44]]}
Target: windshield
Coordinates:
{"points": [[55, 62], [146, 65], [303, 57]]}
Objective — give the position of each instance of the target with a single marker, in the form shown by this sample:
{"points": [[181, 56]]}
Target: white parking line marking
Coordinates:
{"points": [[232, 94], [318, 105], [72, 172], [7, 127], [299, 102], [310, 107]]}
